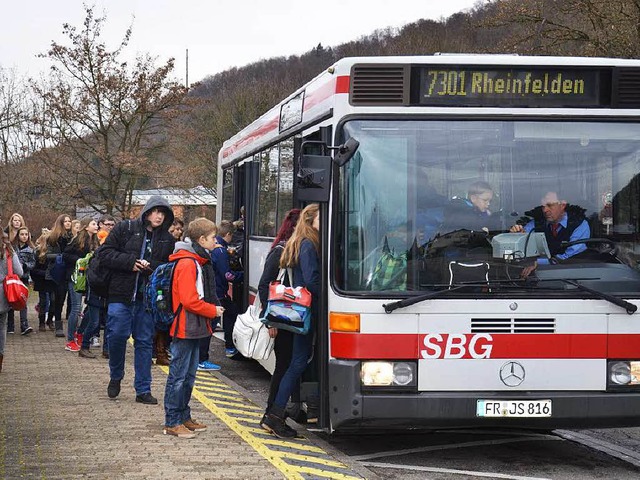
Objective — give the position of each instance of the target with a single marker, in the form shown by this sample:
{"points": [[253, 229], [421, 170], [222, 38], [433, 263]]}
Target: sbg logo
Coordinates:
{"points": [[457, 345]]}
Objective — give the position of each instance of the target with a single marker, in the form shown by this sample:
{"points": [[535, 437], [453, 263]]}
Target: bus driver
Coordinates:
{"points": [[560, 222]]}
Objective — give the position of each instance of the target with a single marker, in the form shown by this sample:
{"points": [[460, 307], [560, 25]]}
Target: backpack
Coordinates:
{"points": [[79, 277], [57, 270], [158, 295], [98, 275]]}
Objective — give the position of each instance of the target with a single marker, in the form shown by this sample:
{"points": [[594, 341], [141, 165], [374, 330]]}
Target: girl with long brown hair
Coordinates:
{"points": [[57, 241], [301, 255], [41, 285], [84, 242]]}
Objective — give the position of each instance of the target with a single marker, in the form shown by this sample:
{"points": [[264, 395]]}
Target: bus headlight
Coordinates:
{"points": [[388, 374], [623, 373]]}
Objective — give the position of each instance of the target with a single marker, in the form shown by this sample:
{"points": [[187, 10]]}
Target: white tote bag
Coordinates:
{"points": [[251, 336]]}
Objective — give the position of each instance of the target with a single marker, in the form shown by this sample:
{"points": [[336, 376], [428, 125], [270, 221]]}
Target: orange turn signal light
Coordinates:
{"points": [[344, 322]]}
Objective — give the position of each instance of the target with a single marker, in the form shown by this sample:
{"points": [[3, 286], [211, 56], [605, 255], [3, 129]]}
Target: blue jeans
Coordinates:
{"points": [[299, 357], [182, 377], [90, 325], [75, 300], [125, 321]]}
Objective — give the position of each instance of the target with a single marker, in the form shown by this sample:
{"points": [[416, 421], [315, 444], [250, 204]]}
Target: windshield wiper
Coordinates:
{"points": [[390, 307], [629, 307]]}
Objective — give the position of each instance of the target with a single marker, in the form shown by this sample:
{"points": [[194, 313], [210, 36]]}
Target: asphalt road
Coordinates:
{"points": [[561, 455]]}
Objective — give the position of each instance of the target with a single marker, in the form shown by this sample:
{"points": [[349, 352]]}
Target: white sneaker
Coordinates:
{"points": [[95, 342]]}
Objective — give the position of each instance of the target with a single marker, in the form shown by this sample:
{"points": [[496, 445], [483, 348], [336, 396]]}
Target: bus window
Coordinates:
{"points": [[407, 176]]}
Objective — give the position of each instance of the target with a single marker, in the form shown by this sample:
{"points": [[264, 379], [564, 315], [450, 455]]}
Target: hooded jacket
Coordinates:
{"points": [[193, 320], [123, 247]]}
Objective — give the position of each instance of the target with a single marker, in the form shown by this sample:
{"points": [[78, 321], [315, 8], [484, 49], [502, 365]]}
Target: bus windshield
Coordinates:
{"points": [[422, 202]]}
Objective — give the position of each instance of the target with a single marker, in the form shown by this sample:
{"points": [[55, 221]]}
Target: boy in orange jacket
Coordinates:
{"points": [[195, 302]]}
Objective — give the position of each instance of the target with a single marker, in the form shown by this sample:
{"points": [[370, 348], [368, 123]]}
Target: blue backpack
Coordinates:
{"points": [[158, 296]]}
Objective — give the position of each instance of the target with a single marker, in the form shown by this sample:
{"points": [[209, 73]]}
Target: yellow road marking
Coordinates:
{"points": [[297, 446], [310, 459], [242, 412], [210, 394], [257, 445]]}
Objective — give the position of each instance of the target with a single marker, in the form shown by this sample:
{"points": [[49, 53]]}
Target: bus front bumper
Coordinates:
{"points": [[353, 409]]}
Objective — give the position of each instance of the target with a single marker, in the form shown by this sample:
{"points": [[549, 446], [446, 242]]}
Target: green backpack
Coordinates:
{"points": [[79, 276]]}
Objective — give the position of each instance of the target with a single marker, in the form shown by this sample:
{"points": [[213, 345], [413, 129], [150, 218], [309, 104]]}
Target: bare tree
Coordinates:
{"points": [[102, 120]]}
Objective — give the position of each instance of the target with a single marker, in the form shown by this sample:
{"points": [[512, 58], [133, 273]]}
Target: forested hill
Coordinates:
{"points": [[232, 99]]}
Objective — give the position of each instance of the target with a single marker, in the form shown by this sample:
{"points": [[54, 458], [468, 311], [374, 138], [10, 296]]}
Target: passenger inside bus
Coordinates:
{"points": [[560, 222], [471, 213]]}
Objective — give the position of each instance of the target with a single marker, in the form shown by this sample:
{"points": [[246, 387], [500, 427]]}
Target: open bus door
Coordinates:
{"points": [[313, 185]]}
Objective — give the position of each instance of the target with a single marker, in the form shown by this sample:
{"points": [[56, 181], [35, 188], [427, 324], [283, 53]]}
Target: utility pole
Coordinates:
{"points": [[187, 70]]}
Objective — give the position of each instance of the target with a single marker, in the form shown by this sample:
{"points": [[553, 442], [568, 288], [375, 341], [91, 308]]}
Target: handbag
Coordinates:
{"points": [[288, 308], [15, 291], [251, 336]]}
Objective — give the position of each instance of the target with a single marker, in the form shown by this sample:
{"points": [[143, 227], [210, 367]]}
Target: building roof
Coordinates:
{"points": [[175, 196]]}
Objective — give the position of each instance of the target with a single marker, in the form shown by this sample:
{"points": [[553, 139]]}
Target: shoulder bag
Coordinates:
{"points": [[15, 291], [288, 308]]}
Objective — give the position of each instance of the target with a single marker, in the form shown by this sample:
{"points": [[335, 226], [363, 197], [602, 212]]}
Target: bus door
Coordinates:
{"points": [[314, 387]]}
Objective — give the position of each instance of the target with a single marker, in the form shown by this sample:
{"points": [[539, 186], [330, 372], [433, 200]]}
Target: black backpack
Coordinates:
{"points": [[98, 275]]}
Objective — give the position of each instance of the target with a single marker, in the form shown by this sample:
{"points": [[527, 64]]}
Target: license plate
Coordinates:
{"points": [[513, 408]]}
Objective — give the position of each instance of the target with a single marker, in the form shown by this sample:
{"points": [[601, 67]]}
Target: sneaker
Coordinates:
{"points": [[27, 331], [230, 352], [95, 342], [208, 366], [179, 431], [72, 346], [113, 390], [77, 337], [277, 427], [86, 353], [60, 333], [11, 331], [147, 399], [194, 426]]}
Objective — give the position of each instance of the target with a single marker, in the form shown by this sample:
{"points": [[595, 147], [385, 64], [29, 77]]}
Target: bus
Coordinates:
{"points": [[436, 313]]}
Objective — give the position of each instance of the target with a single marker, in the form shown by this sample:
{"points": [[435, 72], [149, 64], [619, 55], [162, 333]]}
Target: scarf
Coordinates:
{"points": [[208, 275]]}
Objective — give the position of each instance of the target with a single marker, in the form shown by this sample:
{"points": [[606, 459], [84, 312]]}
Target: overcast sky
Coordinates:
{"points": [[218, 33]]}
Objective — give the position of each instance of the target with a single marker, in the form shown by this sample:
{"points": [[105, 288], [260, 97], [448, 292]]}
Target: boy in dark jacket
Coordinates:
{"points": [[133, 249], [194, 290], [224, 275]]}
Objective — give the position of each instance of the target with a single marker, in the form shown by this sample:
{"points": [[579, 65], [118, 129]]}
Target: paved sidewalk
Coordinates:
{"points": [[57, 422]]}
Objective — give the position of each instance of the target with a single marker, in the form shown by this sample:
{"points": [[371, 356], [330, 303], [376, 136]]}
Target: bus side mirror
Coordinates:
{"points": [[314, 178], [346, 151]]}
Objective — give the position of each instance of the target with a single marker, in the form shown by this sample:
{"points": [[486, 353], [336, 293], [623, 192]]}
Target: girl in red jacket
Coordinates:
{"points": [[195, 301]]}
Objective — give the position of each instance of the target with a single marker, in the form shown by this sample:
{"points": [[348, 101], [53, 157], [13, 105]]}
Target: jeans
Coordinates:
{"points": [[228, 320], [75, 301], [58, 294], [181, 379], [24, 323], [283, 347], [124, 321], [3, 331], [91, 323], [299, 358]]}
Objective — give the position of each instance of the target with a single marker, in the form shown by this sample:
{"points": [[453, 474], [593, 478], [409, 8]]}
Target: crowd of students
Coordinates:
{"points": [[206, 265]]}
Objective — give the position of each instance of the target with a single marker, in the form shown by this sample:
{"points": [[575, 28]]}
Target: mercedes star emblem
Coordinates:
{"points": [[512, 374]]}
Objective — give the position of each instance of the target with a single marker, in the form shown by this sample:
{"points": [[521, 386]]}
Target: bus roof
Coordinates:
{"points": [[316, 99]]}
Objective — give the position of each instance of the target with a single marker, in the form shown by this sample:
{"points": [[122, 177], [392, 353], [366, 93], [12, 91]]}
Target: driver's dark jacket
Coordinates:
{"points": [[575, 217]]}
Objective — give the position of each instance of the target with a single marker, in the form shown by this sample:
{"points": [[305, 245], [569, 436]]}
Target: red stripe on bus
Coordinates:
{"points": [[342, 84], [252, 137], [540, 345]]}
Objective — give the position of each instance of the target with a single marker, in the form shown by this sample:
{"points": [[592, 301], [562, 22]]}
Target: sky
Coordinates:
{"points": [[218, 34]]}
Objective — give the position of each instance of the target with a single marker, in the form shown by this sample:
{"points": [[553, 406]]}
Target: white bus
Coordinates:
{"points": [[435, 315]]}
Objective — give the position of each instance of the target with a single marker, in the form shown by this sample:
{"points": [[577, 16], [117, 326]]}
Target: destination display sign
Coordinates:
{"points": [[512, 87]]}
